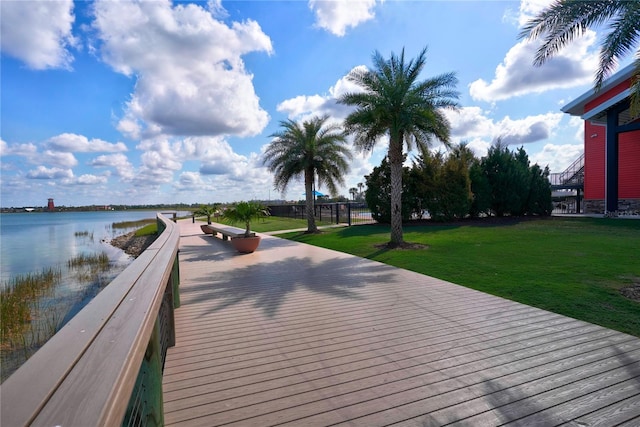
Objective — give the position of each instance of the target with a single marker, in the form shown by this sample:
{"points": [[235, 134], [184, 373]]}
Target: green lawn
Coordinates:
{"points": [[274, 223], [569, 266]]}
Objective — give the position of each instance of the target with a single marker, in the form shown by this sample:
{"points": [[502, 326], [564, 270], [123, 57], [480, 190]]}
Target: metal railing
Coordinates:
{"points": [[104, 367], [350, 213], [571, 177]]}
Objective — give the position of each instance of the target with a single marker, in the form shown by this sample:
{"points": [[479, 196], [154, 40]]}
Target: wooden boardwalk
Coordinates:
{"points": [[303, 336]]}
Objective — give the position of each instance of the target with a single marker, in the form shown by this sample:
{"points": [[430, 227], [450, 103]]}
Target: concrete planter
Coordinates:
{"points": [[246, 245]]}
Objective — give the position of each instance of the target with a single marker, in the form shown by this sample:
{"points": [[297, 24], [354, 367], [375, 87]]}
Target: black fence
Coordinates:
{"points": [[337, 213]]}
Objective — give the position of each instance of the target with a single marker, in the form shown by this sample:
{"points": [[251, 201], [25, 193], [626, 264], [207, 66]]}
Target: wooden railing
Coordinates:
{"points": [[104, 367]]}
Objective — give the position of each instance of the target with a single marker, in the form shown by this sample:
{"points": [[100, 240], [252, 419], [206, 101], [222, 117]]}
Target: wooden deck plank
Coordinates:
{"points": [[354, 345], [447, 354], [499, 392], [338, 374], [614, 391], [307, 336], [437, 389], [624, 411]]}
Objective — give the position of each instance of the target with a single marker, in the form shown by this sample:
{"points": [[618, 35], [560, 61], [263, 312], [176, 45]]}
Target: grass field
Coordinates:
{"points": [[274, 223], [571, 266]]}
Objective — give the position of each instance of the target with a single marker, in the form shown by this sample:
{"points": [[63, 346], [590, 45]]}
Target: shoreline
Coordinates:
{"points": [[131, 244]]}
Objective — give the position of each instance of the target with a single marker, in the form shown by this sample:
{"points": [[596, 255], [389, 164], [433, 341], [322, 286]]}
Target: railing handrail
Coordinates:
{"points": [[85, 373], [566, 176]]}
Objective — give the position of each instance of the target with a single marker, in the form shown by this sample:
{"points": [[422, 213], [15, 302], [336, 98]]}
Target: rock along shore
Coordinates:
{"points": [[131, 244]]}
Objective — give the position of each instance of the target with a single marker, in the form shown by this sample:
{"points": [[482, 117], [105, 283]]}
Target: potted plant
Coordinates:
{"points": [[208, 211], [244, 213]]}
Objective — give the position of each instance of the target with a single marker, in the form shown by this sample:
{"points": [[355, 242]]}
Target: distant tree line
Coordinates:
{"points": [[459, 185]]}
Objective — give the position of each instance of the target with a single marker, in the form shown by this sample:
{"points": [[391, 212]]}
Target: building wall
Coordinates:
{"points": [[629, 165], [605, 96], [594, 158]]}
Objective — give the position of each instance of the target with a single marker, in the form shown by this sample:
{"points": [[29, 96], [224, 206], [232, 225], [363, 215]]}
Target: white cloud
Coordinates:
{"points": [[191, 79], [86, 179], [38, 32], [517, 76], [302, 104], [78, 143], [119, 162], [162, 157], [474, 125], [527, 130], [578, 124], [206, 148], [360, 165], [527, 10], [25, 150], [479, 146], [158, 161], [191, 181], [469, 122], [557, 157], [42, 172], [336, 16], [56, 158], [303, 107], [234, 177], [216, 8]]}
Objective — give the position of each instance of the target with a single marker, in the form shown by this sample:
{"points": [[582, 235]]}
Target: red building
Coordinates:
{"points": [[611, 146], [50, 206]]}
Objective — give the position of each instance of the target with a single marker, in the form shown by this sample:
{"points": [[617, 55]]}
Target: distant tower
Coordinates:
{"points": [[50, 206]]}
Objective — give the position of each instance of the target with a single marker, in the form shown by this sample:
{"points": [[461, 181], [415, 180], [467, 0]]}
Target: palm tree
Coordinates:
{"points": [[244, 213], [360, 187], [353, 191], [564, 20], [208, 211], [306, 150], [395, 104]]}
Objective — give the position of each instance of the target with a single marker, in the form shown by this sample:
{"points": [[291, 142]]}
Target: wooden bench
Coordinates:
{"points": [[226, 231]]}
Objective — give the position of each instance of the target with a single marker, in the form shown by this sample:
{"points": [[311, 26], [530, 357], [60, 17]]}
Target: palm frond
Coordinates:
{"points": [[621, 40], [564, 20]]}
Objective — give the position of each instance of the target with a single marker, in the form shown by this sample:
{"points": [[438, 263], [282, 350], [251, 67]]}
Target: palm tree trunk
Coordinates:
{"points": [[395, 163], [308, 187]]}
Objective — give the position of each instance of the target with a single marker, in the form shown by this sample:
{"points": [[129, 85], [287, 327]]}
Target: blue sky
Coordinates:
{"points": [[126, 102]]}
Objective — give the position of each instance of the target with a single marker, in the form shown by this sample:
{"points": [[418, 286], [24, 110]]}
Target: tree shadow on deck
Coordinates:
{"points": [[552, 398], [268, 284]]}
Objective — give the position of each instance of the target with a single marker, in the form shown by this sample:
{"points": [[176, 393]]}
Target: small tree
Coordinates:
{"points": [[244, 213], [444, 187], [508, 178], [480, 190], [453, 190], [208, 211], [539, 201], [510, 184]]}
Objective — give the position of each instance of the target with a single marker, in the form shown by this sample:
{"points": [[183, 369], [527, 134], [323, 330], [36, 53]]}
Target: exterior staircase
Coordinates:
{"points": [[568, 187], [571, 179]]}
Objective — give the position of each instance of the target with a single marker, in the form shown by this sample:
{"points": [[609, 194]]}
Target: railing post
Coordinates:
{"points": [[146, 404], [175, 281]]}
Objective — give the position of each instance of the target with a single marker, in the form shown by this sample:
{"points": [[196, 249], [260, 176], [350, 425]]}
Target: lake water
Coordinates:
{"points": [[33, 241]]}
